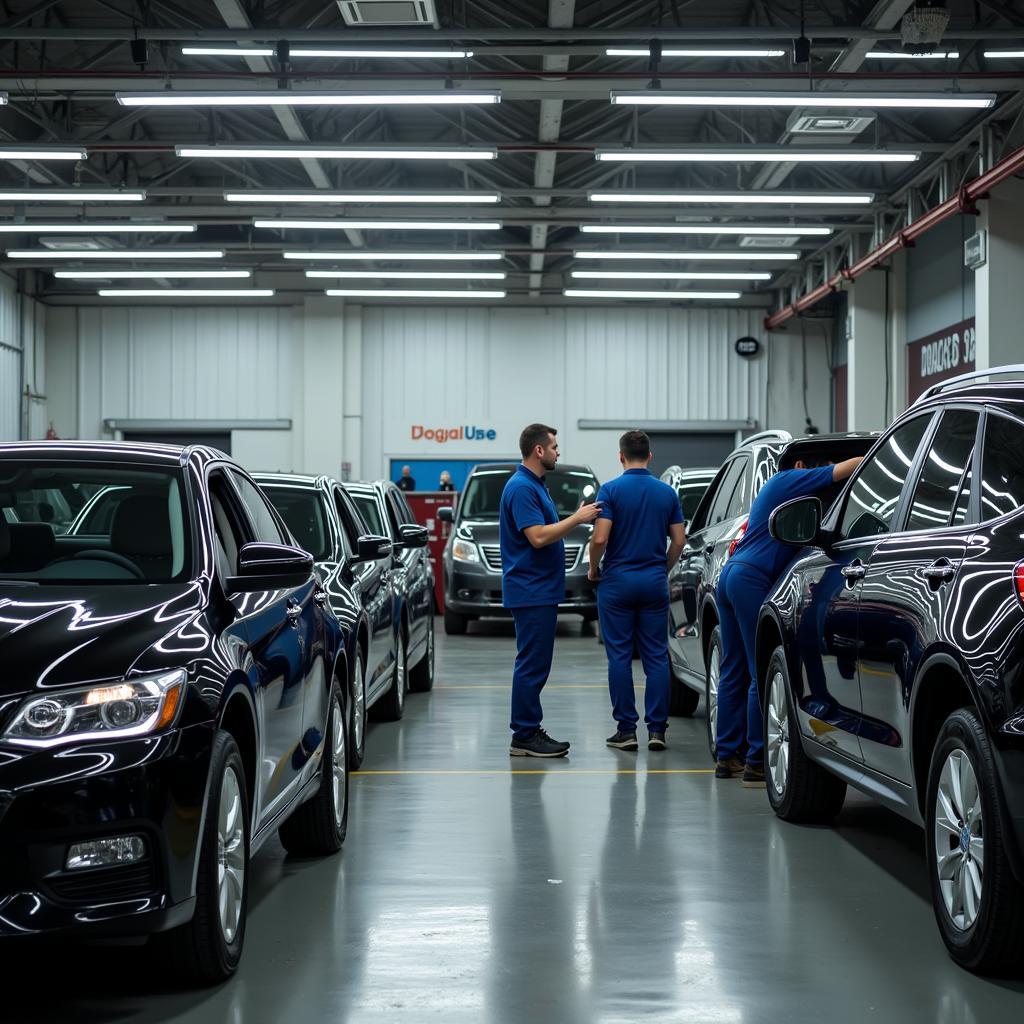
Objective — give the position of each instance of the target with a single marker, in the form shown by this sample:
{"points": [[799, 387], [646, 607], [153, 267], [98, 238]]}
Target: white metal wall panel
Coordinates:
{"points": [[10, 361]]}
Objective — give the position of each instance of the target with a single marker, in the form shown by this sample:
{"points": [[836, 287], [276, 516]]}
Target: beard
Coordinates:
{"points": [[549, 462]]}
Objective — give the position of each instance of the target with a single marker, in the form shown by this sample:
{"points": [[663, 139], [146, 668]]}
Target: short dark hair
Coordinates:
{"points": [[635, 446], [533, 435]]}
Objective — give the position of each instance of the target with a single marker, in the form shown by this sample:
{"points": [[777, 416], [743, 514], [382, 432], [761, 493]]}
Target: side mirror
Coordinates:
{"points": [[797, 522], [412, 536], [446, 514], [372, 548], [270, 567]]}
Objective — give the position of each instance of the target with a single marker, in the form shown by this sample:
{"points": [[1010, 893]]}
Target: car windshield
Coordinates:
{"points": [[690, 493], [95, 523], [303, 513], [567, 487], [368, 508]]}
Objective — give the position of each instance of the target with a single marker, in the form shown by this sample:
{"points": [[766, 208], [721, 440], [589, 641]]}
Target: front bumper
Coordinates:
{"points": [[49, 799], [475, 591]]}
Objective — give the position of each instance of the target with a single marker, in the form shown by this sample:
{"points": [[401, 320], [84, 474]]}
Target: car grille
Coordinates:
{"points": [[105, 885], [492, 556]]}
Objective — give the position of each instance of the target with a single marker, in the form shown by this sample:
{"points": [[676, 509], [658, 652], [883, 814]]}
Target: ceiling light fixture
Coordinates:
{"points": [[73, 195], [700, 254], [42, 153], [313, 196], [700, 51], [616, 293], [382, 54], [334, 153], [126, 227], [410, 275], [774, 154], [832, 100], [349, 224], [128, 275], [789, 230], [899, 55], [1004, 54], [186, 293], [671, 275], [228, 51], [726, 198], [289, 98], [371, 254], [115, 254], [413, 293]]}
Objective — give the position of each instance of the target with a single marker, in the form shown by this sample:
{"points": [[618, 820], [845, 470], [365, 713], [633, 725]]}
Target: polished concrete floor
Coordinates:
{"points": [[605, 888]]}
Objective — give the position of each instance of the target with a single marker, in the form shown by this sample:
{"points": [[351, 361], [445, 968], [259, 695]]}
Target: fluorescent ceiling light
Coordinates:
{"points": [[411, 275], [313, 196], [115, 254], [610, 293], [376, 254], [773, 154], [228, 51], [128, 275], [335, 153], [42, 153], [671, 275], [762, 198], [348, 224], [702, 51], [897, 55], [303, 51], [413, 293], [1004, 54], [125, 227], [186, 293], [74, 195], [700, 254], [831, 100], [789, 230], [289, 98]]}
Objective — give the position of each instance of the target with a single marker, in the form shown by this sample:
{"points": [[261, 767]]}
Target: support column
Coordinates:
{"points": [[321, 398], [352, 448], [999, 284], [866, 361], [897, 336]]}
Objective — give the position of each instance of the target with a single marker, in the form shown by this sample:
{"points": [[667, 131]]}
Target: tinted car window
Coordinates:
{"points": [[739, 503], [352, 527], [943, 471], [262, 517], [689, 497], [871, 501], [303, 513], [723, 497], [1002, 467], [369, 510], [394, 513]]}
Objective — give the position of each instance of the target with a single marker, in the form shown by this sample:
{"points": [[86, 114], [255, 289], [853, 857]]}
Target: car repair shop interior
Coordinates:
{"points": [[359, 362]]}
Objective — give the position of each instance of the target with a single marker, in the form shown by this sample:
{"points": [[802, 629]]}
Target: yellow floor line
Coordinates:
{"points": [[538, 771], [550, 686]]}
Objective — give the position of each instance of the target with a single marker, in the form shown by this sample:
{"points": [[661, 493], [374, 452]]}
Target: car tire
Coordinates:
{"points": [[391, 706], [421, 678], [798, 789], [712, 674], [682, 701], [318, 827], [979, 910], [357, 717], [454, 623], [208, 949]]}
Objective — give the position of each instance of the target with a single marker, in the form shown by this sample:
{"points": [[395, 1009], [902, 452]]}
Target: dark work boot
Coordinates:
{"points": [[540, 744], [622, 740]]}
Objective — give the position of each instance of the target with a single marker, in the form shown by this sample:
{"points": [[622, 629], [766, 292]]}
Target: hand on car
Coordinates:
{"points": [[586, 513]]}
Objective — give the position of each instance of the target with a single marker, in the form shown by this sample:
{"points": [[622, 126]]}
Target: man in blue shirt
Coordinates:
{"points": [[638, 515], [749, 576], [533, 583]]}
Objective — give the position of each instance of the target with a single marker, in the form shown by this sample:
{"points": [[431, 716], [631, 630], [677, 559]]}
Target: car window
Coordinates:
{"points": [[394, 514], [739, 503], [352, 527], [263, 519], [690, 493], [701, 516], [943, 471], [723, 497], [766, 467], [303, 511], [228, 530], [872, 500], [370, 511], [402, 507], [1002, 467]]}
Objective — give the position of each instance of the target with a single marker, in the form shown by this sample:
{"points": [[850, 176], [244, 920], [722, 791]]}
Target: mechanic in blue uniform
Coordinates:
{"points": [[533, 583], [638, 515], [749, 576]]}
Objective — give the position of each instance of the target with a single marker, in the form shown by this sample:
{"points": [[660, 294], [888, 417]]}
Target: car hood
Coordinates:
{"points": [[57, 636], [485, 531]]}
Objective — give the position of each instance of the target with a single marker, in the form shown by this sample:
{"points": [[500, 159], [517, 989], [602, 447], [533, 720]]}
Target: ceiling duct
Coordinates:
{"points": [[767, 241], [922, 27], [825, 122], [389, 12]]}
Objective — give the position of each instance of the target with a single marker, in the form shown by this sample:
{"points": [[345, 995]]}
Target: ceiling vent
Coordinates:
{"points": [[70, 242], [388, 12], [766, 241], [828, 123]]}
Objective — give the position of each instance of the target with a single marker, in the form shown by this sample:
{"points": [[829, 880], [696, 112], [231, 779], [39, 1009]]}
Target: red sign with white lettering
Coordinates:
{"points": [[939, 356]]}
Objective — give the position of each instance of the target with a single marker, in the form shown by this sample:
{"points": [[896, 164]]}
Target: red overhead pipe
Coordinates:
{"points": [[962, 202]]}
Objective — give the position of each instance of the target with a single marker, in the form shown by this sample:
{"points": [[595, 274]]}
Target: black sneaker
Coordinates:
{"points": [[622, 741], [540, 744], [753, 776], [656, 741], [728, 768]]}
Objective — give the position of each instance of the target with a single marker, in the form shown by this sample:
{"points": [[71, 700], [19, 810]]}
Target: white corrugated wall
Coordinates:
{"points": [[10, 361]]}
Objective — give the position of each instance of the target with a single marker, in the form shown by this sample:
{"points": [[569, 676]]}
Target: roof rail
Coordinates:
{"points": [[965, 378], [768, 435]]}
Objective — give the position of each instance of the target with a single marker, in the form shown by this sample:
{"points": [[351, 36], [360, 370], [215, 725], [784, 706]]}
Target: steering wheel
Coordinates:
{"points": [[101, 555]]}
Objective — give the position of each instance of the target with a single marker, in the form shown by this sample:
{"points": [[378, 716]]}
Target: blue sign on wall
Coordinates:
{"points": [[427, 472]]}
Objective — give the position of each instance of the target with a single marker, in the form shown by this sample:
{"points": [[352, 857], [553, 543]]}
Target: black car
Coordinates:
{"points": [[384, 507], [325, 521], [175, 690], [472, 556], [690, 485], [694, 640], [891, 656]]}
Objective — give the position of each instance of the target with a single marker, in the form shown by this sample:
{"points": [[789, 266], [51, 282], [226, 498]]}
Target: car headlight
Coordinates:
{"points": [[465, 551], [131, 707], [586, 554]]}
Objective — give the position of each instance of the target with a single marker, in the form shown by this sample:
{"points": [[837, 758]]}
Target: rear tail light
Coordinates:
{"points": [[1018, 580], [743, 529]]}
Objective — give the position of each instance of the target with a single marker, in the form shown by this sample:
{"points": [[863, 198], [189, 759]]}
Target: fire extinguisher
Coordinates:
{"points": [[51, 434]]}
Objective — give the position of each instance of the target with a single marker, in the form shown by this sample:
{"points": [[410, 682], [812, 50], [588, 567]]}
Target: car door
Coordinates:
{"points": [[418, 582], [905, 592], [830, 586]]}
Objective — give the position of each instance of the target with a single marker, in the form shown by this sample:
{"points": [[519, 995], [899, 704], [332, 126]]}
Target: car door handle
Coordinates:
{"points": [[320, 596], [941, 571], [854, 571], [294, 612]]}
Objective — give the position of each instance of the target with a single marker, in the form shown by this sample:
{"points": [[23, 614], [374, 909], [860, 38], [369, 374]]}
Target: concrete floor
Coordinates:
{"points": [[477, 889]]}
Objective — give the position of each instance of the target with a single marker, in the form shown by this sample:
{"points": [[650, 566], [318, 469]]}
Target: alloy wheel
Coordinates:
{"points": [[359, 706], [401, 682], [960, 839], [230, 855], [778, 734], [714, 674], [339, 766]]}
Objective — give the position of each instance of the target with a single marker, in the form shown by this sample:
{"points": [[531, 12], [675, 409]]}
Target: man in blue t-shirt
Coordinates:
{"points": [[749, 576], [533, 583], [639, 514]]}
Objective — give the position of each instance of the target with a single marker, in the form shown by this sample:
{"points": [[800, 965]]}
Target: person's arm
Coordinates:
{"points": [[677, 541], [844, 470], [551, 533], [598, 546]]}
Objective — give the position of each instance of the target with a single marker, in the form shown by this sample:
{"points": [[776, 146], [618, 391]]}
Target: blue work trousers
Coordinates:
{"points": [[742, 590], [535, 647], [634, 606]]}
